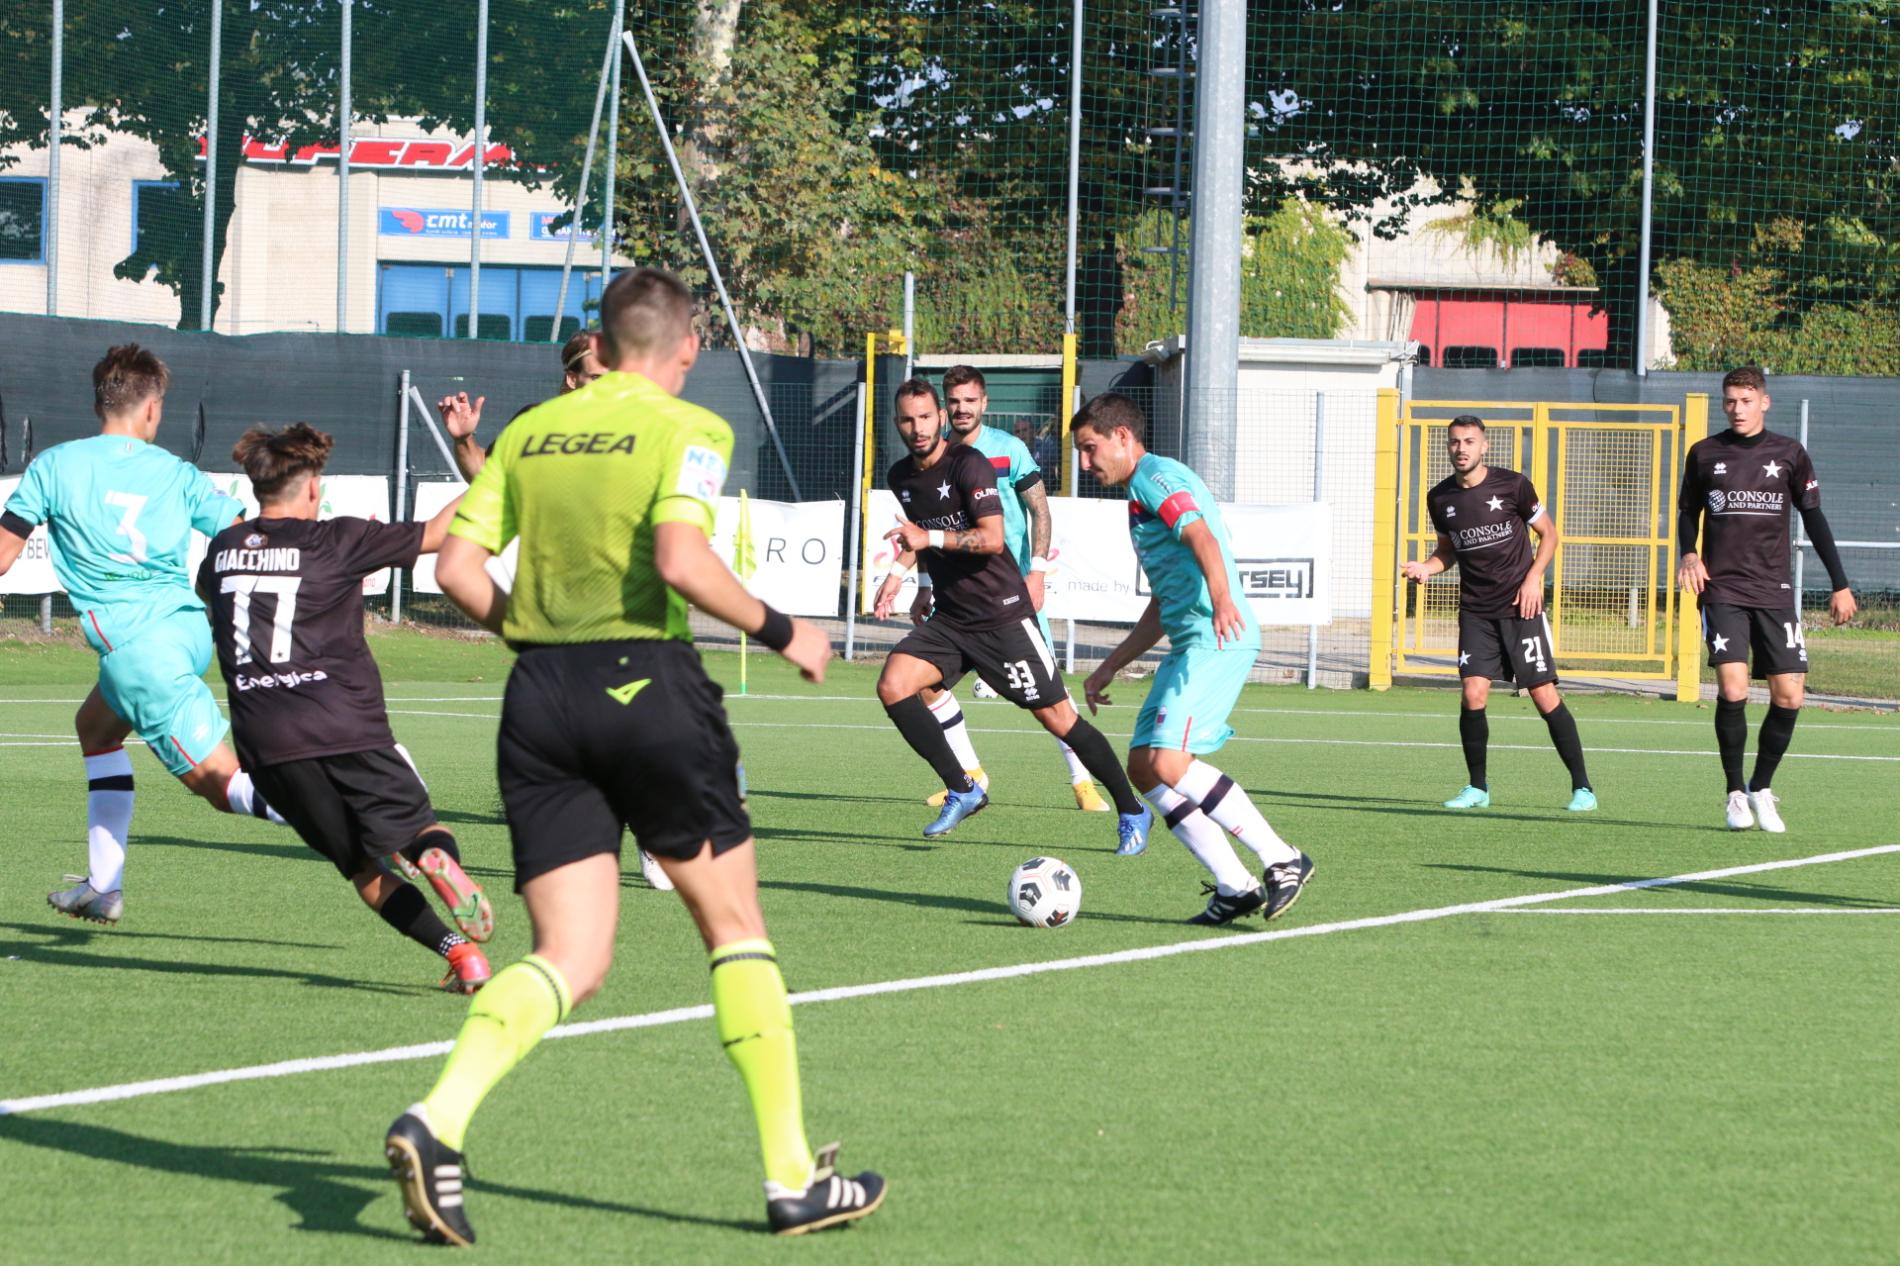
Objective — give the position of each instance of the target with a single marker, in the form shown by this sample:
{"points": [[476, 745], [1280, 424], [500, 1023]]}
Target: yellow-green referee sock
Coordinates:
{"points": [[505, 1021], [755, 1026]]}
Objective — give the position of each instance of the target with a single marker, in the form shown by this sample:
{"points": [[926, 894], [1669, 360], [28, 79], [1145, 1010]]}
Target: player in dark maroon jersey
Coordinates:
{"points": [[1485, 518], [983, 620], [285, 591], [1747, 480]]}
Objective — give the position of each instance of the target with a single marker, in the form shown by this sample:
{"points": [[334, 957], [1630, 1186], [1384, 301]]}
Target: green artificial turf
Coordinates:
{"points": [[1481, 1087]]}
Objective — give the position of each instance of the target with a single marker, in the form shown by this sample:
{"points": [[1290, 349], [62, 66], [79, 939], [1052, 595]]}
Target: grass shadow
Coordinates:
{"points": [[1413, 808], [326, 1195], [931, 900], [75, 932], [70, 947]]}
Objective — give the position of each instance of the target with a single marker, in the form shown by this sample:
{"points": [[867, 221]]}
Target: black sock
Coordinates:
{"points": [[444, 840], [1776, 730], [1731, 739], [1099, 758], [410, 913], [1474, 731], [1563, 733], [924, 733]]}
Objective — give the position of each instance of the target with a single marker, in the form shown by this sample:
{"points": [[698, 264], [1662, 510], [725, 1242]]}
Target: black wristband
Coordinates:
{"points": [[776, 632]]}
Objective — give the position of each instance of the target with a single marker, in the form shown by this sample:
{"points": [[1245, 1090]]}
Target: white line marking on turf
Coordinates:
{"points": [[840, 993], [1717, 910]]}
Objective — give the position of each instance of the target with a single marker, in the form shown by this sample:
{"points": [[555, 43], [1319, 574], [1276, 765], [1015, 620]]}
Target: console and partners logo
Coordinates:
{"points": [[1745, 502], [1262, 578], [438, 222]]}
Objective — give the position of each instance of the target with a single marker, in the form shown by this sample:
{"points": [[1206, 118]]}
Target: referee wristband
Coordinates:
{"points": [[776, 632], [935, 538]]}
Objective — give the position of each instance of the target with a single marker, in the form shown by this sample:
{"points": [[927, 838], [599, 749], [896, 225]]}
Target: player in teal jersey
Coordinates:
{"points": [[1026, 538], [1213, 641], [119, 513]]}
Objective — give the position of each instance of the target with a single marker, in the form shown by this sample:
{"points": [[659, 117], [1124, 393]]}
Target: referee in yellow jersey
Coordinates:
{"points": [[610, 722]]}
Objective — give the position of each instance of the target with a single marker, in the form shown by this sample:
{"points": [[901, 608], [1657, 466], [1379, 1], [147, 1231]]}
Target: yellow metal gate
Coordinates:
{"points": [[1607, 474]]}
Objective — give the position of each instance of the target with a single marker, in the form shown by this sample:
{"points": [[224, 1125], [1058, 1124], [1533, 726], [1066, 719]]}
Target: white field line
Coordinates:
{"points": [[680, 1015], [1238, 738], [1872, 727], [1717, 910]]}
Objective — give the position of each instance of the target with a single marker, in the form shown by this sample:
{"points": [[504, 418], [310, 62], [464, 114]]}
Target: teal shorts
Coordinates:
{"points": [[155, 682], [1194, 690]]}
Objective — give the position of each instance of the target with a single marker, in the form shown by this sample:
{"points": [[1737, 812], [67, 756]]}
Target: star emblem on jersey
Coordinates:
{"points": [[943, 491], [1495, 503], [1772, 470], [1720, 643]]}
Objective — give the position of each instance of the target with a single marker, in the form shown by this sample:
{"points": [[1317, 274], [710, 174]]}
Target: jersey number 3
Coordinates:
{"points": [[241, 588]]}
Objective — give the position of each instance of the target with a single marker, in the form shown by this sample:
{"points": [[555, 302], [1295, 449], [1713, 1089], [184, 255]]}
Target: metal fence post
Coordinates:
{"points": [[55, 108], [607, 178], [481, 163], [343, 177], [1385, 524], [1319, 494], [852, 532], [1649, 191], [1214, 234], [1800, 543], [207, 258], [46, 613], [402, 495], [1695, 426]]}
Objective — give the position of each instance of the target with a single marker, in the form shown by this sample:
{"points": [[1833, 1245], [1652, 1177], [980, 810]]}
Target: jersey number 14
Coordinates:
{"points": [[284, 588]]}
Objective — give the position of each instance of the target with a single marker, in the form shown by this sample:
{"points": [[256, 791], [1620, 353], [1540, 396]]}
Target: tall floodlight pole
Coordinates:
{"points": [[481, 161], [1075, 160], [343, 178], [1213, 328], [56, 107], [207, 259], [607, 176], [1649, 194]]}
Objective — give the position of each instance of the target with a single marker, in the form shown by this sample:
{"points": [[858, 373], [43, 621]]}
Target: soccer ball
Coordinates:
{"points": [[1045, 892]]}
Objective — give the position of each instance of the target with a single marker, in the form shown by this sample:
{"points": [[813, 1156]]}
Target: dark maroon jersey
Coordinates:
{"points": [[1746, 491], [286, 598], [1487, 524], [975, 591]]}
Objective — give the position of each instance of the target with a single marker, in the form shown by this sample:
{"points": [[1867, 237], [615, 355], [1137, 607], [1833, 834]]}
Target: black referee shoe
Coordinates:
{"points": [[1223, 909], [1285, 883], [830, 1200], [430, 1174]]}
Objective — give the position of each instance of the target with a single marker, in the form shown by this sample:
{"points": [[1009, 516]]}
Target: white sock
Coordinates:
{"points": [[1078, 772], [1206, 841], [243, 797], [950, 716], [1222, 800], [108, 817]]}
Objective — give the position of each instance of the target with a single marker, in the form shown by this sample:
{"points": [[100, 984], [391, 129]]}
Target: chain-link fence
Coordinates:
{"points": [[1498, 180]]}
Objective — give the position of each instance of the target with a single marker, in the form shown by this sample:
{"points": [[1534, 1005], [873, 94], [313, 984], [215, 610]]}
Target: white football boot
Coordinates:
{"points": [[1740, 818], [1766, 815]]}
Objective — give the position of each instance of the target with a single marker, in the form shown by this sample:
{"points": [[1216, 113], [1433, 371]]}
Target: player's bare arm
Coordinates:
{"points": [[1140, 640], [1229, 626], [10, 546], [1530, 594], [1035, 501], [985, 538], [686, 562], [460, 417], [462, 571], [1418, 571], [436, 531]]}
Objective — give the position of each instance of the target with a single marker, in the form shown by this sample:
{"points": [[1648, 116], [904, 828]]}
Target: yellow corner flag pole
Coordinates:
{"points": [[743, 565]]}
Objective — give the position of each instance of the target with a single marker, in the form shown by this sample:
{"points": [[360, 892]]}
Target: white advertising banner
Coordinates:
{"points": [[344, 496], [366, 496], [795, 549], [32, 572], [1283, 555]]}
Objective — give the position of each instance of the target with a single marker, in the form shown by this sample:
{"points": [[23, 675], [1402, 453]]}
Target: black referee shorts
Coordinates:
{"points": [[355, 808], [602, 736]]}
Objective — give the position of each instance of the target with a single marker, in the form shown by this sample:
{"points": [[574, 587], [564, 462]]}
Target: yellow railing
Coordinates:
{"points": [[1606, 473]]}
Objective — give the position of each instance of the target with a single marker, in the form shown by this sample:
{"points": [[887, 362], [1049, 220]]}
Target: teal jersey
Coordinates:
{"points": [[119, 515], [1164, 498], [1014, 466]]}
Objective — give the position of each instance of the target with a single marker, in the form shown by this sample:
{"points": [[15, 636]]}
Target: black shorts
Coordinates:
{"points": [[1014, 659], [609, 735], [1770, 636], [355, 808], [1506, 648]]}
